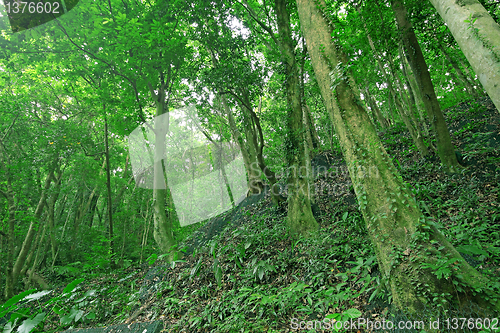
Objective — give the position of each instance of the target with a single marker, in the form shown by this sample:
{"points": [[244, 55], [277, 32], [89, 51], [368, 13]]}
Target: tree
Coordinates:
{"points": [[445, 148], [478, 36], [403, 239], [300, 216]]}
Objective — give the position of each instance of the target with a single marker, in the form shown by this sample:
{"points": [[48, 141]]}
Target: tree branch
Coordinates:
{"points": [[259, 22]]}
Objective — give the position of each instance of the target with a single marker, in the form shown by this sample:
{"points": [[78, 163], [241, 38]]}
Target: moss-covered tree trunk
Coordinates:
{"points": [[163, 209], [300, 217], [445, 148], [249, 160], [412, 127], [108, 190], [478, 36], [312, 127], [417, 97], [407, 111], [404, 241]]}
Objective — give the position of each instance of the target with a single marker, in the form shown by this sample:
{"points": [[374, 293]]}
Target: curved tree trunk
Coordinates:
{"points": [[402, 238], [478, 36]]}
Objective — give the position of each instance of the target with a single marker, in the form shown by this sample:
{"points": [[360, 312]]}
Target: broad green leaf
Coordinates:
{"points": [[5, 308], [71, 286], [29, 324], [353, 313], [38, 295]]}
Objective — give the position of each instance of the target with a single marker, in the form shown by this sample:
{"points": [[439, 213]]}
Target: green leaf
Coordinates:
{"points": [[9, 327], [90, 315], [5, 308], [335, 316], [29, 324], [74, 314], [471, 249], [72, 285], [152, 258], [353, 313], [38, 295], [261, 272], [344, 217]]}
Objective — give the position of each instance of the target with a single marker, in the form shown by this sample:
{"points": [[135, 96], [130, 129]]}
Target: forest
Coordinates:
{"points": [[250, 166]]}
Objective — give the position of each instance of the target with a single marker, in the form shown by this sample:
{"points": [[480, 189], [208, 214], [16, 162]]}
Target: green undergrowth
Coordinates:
{"points": [[254, 277]]}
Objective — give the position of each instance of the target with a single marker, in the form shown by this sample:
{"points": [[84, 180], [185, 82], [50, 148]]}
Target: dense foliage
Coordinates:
{"points": [[83, 242]]}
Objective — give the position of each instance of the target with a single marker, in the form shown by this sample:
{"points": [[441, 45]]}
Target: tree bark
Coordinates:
{"points": [[316, 143], [276, 198], [412, 84], [163, 225], [394, 222], [108, 188], [251, 165], [300, 217], [478, 36], [407, 113], [445, 148]]}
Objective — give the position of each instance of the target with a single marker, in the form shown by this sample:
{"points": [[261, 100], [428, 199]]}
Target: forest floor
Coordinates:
{"points": [[242, 273]]}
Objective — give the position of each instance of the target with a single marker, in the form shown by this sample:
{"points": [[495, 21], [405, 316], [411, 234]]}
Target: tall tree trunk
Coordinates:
{"points": [[311, 134], [478, 36], [312, 127], [32, 275], [300, 217], [51, 213], [163, 225], [407, 113], [34, 246], [393, 219], [251, 141], [64, 230], [270, 175], [251, 166], [445, 148], [412, 84], [81, 212], [108, 188], [92, 211], [249, 155]]}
